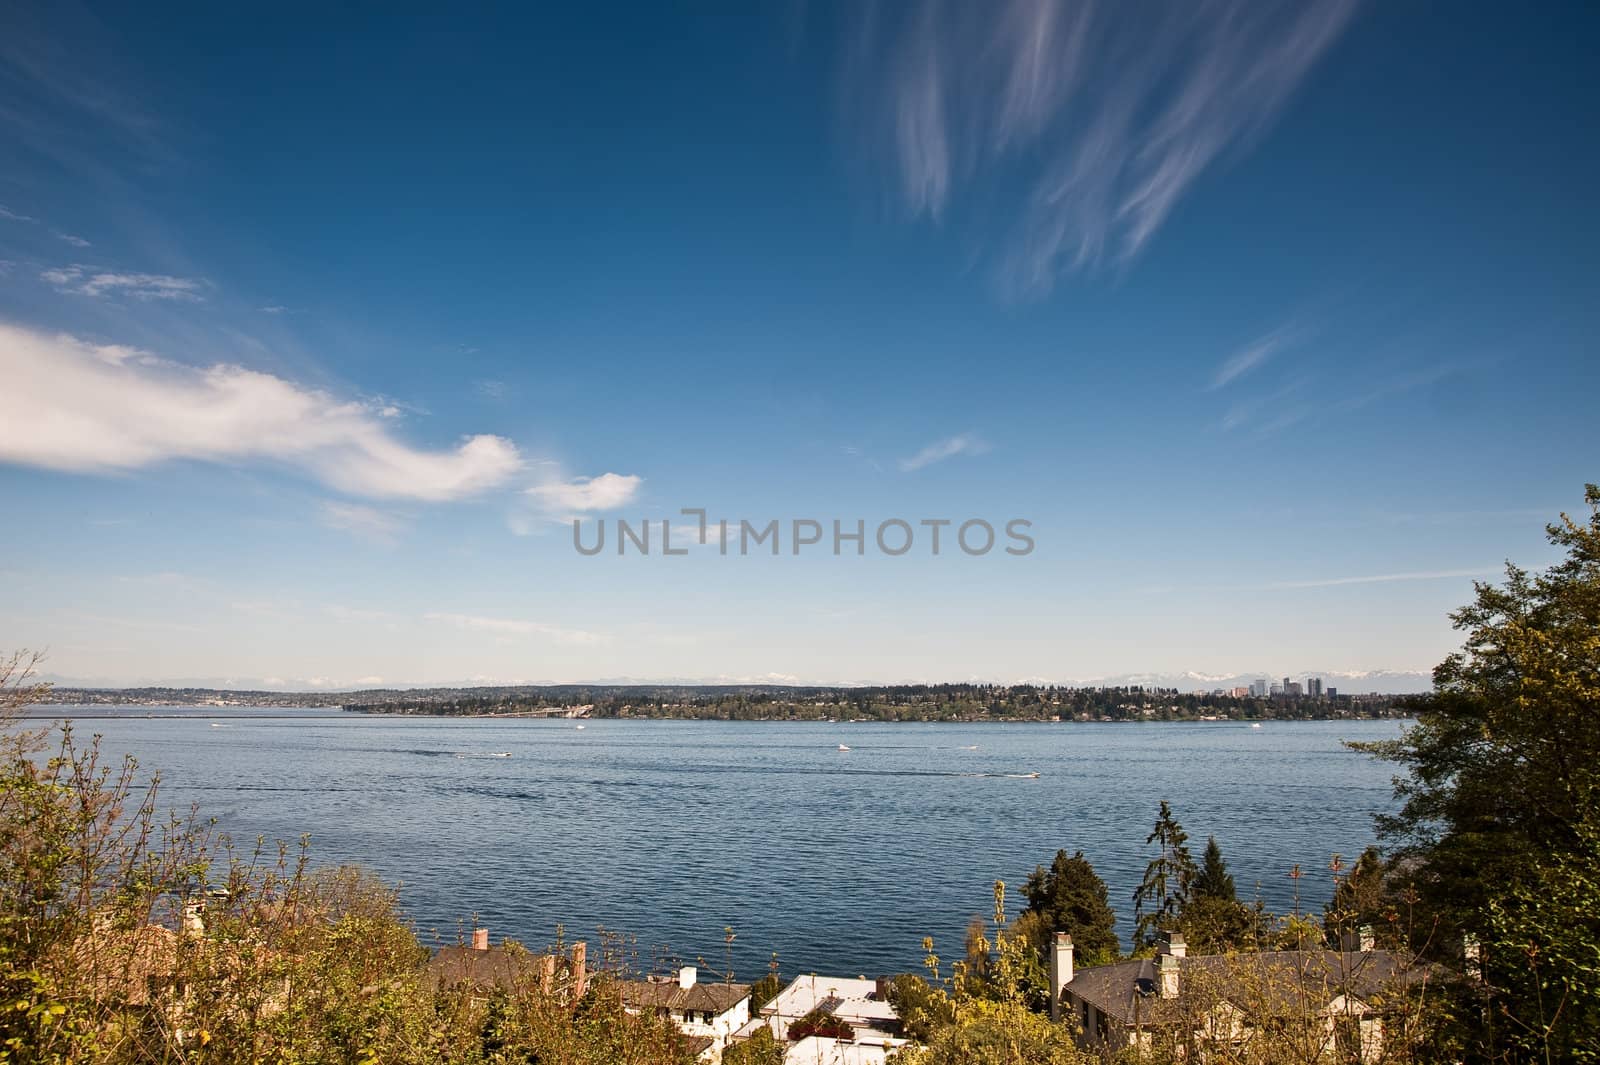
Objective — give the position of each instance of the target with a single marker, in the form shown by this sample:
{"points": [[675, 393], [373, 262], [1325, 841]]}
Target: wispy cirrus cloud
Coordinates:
{"points": [[1385, 578], [88, 282], [8, 215], [939, 450], [68, 403], [1250, 356], [1103, 113], [515, 627], [582, 494], [358, 519]]}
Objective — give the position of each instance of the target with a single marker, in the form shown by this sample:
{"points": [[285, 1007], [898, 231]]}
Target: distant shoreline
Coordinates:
{"points": [[922, 703]]}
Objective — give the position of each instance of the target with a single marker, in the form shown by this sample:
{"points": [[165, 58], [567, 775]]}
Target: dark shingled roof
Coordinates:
{"points": [[1283, 982], [496, 967], [665, 994], [698, 1044]]}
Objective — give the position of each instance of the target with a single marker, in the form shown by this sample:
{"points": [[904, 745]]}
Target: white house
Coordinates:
{"points": [[861, 1007], [702, 1011]]}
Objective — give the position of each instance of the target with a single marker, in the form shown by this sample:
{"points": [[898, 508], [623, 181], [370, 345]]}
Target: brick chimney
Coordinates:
{"points": [[1060, 971], [687, 976], [480, 939], [580, 969]]}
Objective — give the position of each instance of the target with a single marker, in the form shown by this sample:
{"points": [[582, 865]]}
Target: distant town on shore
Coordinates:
{"points": [[1263, 699]]}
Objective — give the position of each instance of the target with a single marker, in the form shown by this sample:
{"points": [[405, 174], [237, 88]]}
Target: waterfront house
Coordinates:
{"points": [[860, 1006], [707, 1012], [483, 968], [1326, 1003]]}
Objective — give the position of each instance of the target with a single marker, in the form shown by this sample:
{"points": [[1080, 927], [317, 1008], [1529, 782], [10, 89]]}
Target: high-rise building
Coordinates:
{"points": [[1258, 688], [1333, 693], [1277, 689], [1292, 687], [1314, 686]]}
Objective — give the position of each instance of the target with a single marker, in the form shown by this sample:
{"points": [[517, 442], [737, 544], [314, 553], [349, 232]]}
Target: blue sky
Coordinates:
{"points": [[1277, 322]]}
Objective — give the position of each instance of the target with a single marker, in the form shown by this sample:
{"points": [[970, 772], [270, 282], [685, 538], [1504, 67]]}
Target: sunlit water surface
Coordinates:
{"points": [[670, 831]]}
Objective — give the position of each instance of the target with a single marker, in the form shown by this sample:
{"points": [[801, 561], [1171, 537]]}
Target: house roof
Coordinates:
{"points": [[496, 967], [849, 998], [697, 1045], [125, 964], [666, 994], [1284, 982]]}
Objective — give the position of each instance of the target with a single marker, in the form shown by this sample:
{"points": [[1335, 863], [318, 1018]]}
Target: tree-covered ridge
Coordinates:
{"points": [[765, 702], [912, 702]]}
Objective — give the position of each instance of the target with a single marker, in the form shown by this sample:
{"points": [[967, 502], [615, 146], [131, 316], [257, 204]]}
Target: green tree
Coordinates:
{"points": [[1070, 897], [762, 1048], [1360, 900], [1213, 881], [1161, 896], [1496, 826], [1212, 919]]}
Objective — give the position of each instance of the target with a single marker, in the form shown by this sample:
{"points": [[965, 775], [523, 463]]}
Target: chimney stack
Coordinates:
{"points": [[687, 976], [1060, 971], [1167, 974], [1172, 943], [580, 969], [1472, 957], [480, 939], [1360, 940]]}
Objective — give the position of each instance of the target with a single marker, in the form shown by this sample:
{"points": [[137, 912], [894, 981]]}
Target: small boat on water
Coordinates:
{"points": [[842, 747], [1255, 724], [499, 754], [580, 728]]}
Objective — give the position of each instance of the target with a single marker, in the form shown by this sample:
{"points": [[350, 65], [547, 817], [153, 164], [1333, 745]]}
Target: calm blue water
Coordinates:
{"points": [[672, 830]]}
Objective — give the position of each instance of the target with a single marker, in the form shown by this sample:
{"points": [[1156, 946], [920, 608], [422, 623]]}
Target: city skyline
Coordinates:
{"points": [[315, 344]]}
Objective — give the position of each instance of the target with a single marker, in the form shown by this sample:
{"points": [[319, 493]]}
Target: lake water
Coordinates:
{"points": [[671, 830]]}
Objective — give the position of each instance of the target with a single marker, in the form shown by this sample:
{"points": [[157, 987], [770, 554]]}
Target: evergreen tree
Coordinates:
{"points": [[1160, 898], [1359, 900], [1212, 919], [1214, 881], [1070, 897]]}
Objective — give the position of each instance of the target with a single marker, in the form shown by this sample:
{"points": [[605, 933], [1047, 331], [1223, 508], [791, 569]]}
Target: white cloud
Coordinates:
{"points": [[1249, 357], [512, 627], [1386, 578], [964, 444], [88, 282], [361, 520], [273, 308], [76, 242], [12, 216], [1104, 113], [581, 494], [76, 406]]}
